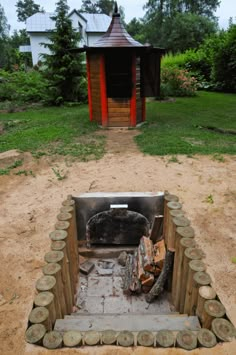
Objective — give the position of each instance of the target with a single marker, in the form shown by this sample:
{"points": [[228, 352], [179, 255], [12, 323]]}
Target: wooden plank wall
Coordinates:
{"points": [[138, 93], [118, 112], [94, 63]]}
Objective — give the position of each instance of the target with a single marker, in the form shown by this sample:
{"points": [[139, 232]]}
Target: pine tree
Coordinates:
{"points": [[63, 68]]}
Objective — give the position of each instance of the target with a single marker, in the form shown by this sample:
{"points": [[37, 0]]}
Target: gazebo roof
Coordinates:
{"points": [[116, 35]]}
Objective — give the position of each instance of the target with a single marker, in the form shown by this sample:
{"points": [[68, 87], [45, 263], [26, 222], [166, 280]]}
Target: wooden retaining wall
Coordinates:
{"points": [[192, 292]]}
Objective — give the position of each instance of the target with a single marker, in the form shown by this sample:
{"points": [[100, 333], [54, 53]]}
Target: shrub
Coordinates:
{"points": [[22, 86], [177, 82]]}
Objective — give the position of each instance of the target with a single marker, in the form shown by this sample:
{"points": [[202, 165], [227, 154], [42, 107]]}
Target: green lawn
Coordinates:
{"points": [[54, 130], [175, 127]]}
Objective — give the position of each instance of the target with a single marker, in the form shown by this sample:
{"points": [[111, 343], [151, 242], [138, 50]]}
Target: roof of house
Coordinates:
{"points": [[42, 22]]}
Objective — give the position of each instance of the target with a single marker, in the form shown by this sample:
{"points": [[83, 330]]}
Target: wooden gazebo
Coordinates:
{"points": [[121, 74]]}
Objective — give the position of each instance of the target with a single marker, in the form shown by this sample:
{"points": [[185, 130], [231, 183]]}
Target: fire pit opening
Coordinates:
{"points": [[125, 269]]}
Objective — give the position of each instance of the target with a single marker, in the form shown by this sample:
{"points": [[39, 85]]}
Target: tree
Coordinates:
{"points": [[63, 68], [4, 27], [136, 28], [26, 8], [100, 7]]}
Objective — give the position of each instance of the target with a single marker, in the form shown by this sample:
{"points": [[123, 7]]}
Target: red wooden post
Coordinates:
{"points": [[143, 109], [103, 90], [133, 98], [89, 88]]}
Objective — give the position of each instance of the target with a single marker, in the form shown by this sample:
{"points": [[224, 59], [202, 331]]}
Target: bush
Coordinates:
{"points": [[177, 82], [22, 86]]}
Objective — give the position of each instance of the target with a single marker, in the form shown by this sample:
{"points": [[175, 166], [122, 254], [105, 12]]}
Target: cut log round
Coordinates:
{"points": [[186, 340], [47, 299], [54, 269], [177, 213], [223, 329], [174, 223], [52, 340], [165, 339], [62, 225], [194, 266], [181, 222], [212, 309], [178, 269], [58, 245], [54, 256], [158, 287], [206, 338], [35, 333], [91, 337], [200, 278], [68, 202], [46, 283], [72, 338], [167, 198], [174, 205], [109, 337], [145, 338], [67, 209], [204, 293], [186, 232], [58, 234], [125, 338], [40, 315], [190, 253]]}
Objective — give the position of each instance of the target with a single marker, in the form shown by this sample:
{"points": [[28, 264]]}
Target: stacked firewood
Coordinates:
{"points": [[144, 266]]}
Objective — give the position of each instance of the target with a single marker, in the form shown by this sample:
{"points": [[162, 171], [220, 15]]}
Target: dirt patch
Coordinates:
{"points": [[30, 205]]}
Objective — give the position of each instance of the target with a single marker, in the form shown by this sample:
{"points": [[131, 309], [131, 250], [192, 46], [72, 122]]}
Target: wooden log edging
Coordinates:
{"points": [[60, 276]]}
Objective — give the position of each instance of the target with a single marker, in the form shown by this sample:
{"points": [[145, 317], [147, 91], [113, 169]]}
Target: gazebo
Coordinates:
{"points": [[121, 74]]}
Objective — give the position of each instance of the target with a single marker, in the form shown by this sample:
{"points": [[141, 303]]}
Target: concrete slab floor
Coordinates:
{"points": [[104, 294]]}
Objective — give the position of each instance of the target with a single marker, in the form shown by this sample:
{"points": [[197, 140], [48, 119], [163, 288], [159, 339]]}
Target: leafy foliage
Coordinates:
{"points": [[177, 82], [64, 69], [26, 8]]}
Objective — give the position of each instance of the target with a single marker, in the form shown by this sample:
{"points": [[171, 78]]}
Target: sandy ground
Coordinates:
{"points": [[29, 206]]}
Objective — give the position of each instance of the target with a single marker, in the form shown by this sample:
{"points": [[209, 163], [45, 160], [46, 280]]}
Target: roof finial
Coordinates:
{"points": [[116, 9]]}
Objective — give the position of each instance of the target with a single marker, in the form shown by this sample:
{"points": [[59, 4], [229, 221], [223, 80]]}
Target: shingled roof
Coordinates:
{"points": [[116, 35]]}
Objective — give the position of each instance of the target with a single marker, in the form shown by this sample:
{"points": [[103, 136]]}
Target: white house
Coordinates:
{"points": [[39, 25]]}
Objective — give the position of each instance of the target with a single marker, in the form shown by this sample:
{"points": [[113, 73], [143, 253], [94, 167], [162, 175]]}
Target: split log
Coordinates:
{"points": [[48, 283], [174, 223], [125, 338], [167, 198], [146, 250], [206, 338], [91, 337], [47, 300], [58, 257], [109, 337], [135, 285], [52, 340], [186, 340], [204, 293], [159, 284], [148, 282], [156, 230], [159, 251], [145, 338], [190, 253], [200, 278], [223, 329], [72, 338], [168, 224], [165, 339], [177, 279], [181, 232], [128, 274], [194, 266], [212, 309], [73, 255], [35, 333], [54, 269], [40, 315]]}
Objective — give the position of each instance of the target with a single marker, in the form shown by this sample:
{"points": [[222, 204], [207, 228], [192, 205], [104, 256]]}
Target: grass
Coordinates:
{"points": [[7, 170], [177, 127], [54, 130]]}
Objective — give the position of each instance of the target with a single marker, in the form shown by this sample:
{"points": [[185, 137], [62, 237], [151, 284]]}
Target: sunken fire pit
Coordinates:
{"points": [[124, 269]]}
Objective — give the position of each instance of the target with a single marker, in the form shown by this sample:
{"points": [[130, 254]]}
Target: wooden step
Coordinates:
{"points": [[128, 321]]}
